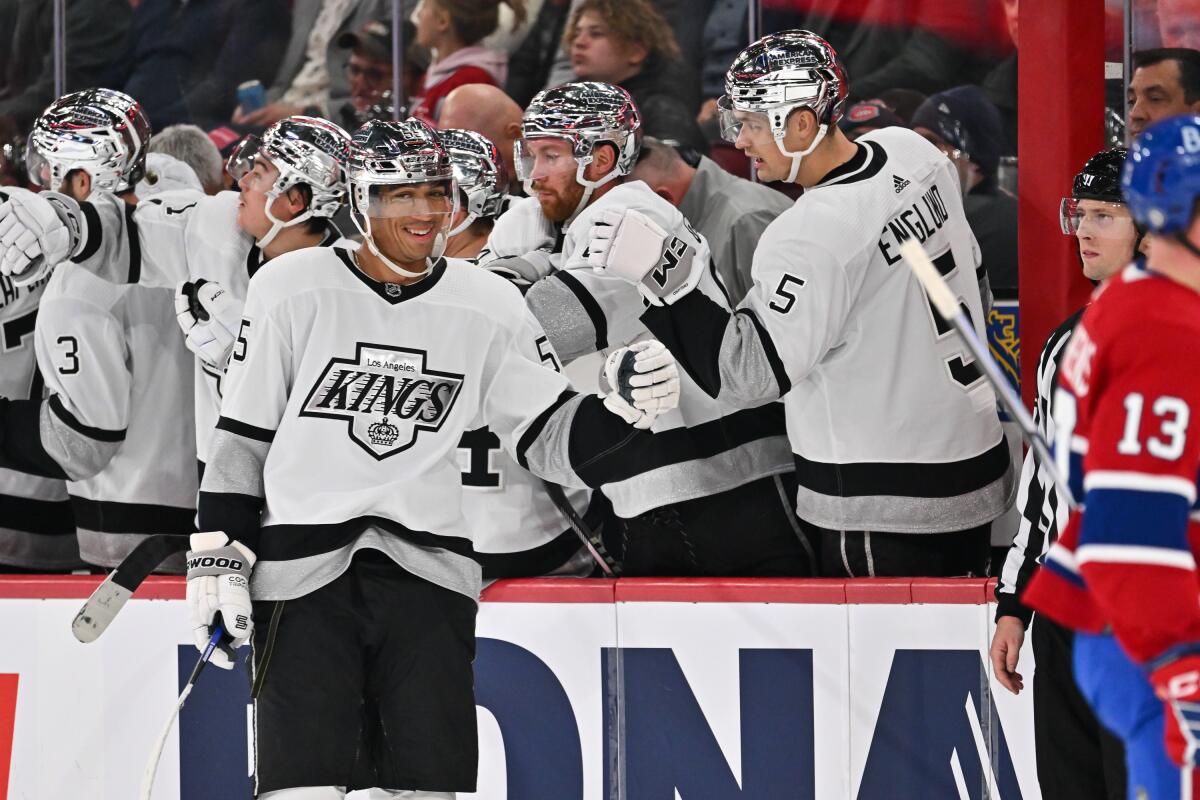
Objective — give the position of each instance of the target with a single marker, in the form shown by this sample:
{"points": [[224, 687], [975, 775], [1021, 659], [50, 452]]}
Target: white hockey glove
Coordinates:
{"points": [[38, 230], [218, 582], [640, 382], [210, 318], [632, 246]]}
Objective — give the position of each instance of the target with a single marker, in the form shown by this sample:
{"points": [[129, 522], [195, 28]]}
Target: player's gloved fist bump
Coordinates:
{"points": [[210, 319], [1177, 684], [218, 583], [37, 231], [640, 382], [633, 246]]}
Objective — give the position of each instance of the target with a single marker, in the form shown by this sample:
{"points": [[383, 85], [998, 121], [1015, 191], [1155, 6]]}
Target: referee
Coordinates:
{"points": [[1076, 757]]}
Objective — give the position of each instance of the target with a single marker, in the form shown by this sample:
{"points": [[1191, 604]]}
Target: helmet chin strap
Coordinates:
{"points": [[1183, 239], [278, 225], [589, 188], [462, 226], [798, 156], [439, 247]]}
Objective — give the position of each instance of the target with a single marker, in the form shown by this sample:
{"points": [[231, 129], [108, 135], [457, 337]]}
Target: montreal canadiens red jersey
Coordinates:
{"points": [[1127, 435]]}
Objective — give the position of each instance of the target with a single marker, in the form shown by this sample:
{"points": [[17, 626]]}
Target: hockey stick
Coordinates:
{"points": [[156, 754], [608, 565], [111, 595], [947, 305]]}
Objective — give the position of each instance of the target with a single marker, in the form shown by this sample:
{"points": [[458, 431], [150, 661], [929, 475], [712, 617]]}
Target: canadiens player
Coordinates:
{"points": [[290, 184], [681, 510], [900, 459], [1076, 756], [118, 377], [1127, 435], [335, 488]]}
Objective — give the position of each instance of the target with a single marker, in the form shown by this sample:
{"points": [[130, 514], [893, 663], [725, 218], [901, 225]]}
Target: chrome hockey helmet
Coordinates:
{"points": [[479, 172], [384, 154], [775, 76], [585, 114], [100, 131], [305, 150]]}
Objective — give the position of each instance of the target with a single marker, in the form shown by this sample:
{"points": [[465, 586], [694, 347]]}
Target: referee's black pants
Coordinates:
{"points": [[1077, 758]]}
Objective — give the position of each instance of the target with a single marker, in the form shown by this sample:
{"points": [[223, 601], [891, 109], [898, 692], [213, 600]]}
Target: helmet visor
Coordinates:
{"points": [[1098, 218], [543, 157], [756, 124], [395, 200], [38, 169]]}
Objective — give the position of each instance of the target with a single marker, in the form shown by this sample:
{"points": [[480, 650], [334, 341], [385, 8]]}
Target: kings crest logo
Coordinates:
{"points": [[386, 395]]}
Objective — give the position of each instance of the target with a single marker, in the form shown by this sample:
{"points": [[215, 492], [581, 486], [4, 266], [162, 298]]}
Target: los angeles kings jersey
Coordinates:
{"points": [[707, 445], [344, 405], [172, 237], [118, 418], [892, 426], [36, 529]]}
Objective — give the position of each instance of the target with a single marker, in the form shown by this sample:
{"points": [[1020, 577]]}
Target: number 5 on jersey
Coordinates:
{"points": [[239, 347]]}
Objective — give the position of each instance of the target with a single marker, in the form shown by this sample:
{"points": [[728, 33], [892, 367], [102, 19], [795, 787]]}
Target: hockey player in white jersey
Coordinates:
{"points": [[334, 473], [117, 420], [899, 454], [519, 529], [37, 532], [681, 510], [290, 184]]}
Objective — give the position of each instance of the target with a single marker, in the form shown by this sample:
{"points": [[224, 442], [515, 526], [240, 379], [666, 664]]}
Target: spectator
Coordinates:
{"points": [[184, 60], [95, 29], [1179, 23], [369, 70], [868, 116], [1076, 756], [1166, 82], [1000, 85], [966, 127], [530, 65], [315, 84], [628, 43], [902, 102], [489, 111], [192, 146], [724, 37], [451, 30], [730, 212]]}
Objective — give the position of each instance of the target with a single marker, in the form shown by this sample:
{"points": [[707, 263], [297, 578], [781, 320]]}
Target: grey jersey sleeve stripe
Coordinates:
{"points": [[571, 318]]}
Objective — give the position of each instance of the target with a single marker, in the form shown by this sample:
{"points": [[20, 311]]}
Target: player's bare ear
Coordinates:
{"points": [[603, 159]]}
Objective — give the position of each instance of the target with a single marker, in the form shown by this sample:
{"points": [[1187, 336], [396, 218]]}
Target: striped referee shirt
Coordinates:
{"points": [[1043, 512]]}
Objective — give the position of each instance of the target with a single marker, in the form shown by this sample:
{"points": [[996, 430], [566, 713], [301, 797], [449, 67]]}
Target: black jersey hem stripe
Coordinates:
{"points": [[531, 563], [106, 516], [98, 434], [643, 453], [288, 542], [407, 291], [95, 232], [45, 517], [135, 244], [866, 479], [768, 346], [245, 430], [539, 422], [594, 312]]}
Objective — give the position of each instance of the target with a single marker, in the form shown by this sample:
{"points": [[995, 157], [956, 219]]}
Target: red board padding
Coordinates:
{"points": [[892, 591], [731, 590], [550, 590], [8, 722]]}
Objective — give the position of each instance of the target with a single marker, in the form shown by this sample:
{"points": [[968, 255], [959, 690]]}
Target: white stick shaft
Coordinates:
{"points": [[947, 305], [156, 754]]}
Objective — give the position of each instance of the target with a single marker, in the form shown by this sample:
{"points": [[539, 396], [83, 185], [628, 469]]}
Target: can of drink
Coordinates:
{"points": [[251, 96]]}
